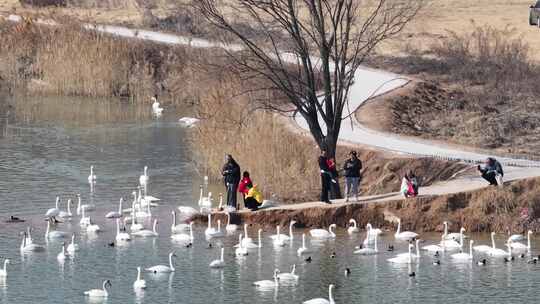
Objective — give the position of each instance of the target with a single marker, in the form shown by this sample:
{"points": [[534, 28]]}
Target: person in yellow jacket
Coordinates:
{"points": [[253, 199]]}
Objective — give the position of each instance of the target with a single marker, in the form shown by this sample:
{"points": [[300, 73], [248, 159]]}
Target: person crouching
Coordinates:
{"points": [[492, 172], [253, 199]]}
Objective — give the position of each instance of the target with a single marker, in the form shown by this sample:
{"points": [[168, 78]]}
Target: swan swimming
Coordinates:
{"points": [[157, 110], [53, 211], [188, 122], [85, 220], [353, 229], [454, 235], [210, 231], [66, 214], [497, 252], [436, 248], [367, 250], [413, 255], [451, 244], [268, 283], [241, 250], [92, 177], [322, 233], [219, 263], [72, 247], [230, 227], [303, 250], [80, 207], [187, 211], [121, 236], [403, 259], [92, 227], [175, 228], [99, 293], [285, 237], [54, 234], [321, 300], [163, 268], [147, 232], [404, 235], [3, 272], [183, 237], [26, 248], [143, 179], [486, 248], [288, 276], [62, 255], [252, 245], [278, 241], [464, 256], [139, 283], [116, 214], [520, 246]]}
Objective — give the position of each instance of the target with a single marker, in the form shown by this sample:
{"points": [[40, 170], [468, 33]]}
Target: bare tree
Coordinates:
{"points": [[308, 50]]}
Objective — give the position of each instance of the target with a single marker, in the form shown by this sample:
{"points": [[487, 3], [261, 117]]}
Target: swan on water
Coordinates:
{"points": [[486, 248], [303, 250], [241, 250], [175, 228], [218, 233], [279, 241], [54, 234], [321, 300], [451, 244], [352, 229], [139, 283], [368, 251], [520, 246], [322, 233], [72, 247], [219, 263], [116, 214], [143, 179], [134, 225], [66, 214], [147, 232], [92, 177], [205, 202], [163, 268], [454, 235], [436, 248], [53, 211], [246, 239], [32, 247], [210, 230], [157, 110], [121, 236], [497, 252], [404, 235], [187, 211], [85, 220], [188, 122], [62, 255], [183, 237], [99, 293], [230, 227], [403, 259], [285, 237], [92, 227], [288, 276], [250, 245], [3, 272], [80, 207], [413, 255], [29, 235], [143, 213], [268, 283], [462, 256]]}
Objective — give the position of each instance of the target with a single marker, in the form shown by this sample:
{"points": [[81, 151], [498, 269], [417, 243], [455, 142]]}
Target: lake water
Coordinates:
{"points": [[48, 157]]}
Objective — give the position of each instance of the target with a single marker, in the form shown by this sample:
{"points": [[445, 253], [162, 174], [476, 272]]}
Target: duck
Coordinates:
{"points": [[3, 272], [72, 247], [14, 219], [53, 212], [288, 276], [322, 233], [99, 293], [183, 237], [139, 283], [163, 268], [66, 214], [121, 236], [303, 250], [412, 274], [220, 263], [92, 177], [404, 235], [347, 272], [116, 214], [352, 229], [55, 234], [437, 262], [147, 232], [321, 300], [308, 259], [268, 283]]}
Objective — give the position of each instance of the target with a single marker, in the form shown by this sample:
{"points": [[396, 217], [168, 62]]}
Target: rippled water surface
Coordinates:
{"points": [[40, 160]]}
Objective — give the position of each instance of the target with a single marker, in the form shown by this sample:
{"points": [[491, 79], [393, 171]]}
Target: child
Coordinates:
{"points": [[409, 185], [244, 185], [253, 199]]}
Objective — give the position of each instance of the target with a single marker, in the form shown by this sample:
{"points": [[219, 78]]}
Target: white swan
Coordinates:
{"points": [[230, 227], [72, 247], [246, 239], [116, 214], [435, 248], [66, 214], [175, 228], [368, 251], [241, 250], [29, 236], [268, 283], [157, 110], [451, 244], [53, 211], [353, 229], [134, 225], [322, 233], [414, 256], [188, 122], [3, 272], [303, 250], [210, 231], [92, 177], [183, 237], [26, 248], [516, 237], [62, 255], [288, 276], [121, 236], [85, 220], [205, 202], [486, 248], [452, 236], [285, 237], [370, 235], [163, 268], [321, 300], [147, 232], [219, 233], [143, 213], [143, 179], [520, 246], [80, 207], [139, 283], [187, 211], [403, 259], [497, 252], [55, 234], [99, 293], [279, 241], [92, 227], [219, 263], [405, 235], [253, 245], [463, 257]]}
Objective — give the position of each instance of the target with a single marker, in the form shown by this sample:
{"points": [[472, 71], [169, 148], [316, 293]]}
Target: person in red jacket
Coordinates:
{"points": [[244, 185]]}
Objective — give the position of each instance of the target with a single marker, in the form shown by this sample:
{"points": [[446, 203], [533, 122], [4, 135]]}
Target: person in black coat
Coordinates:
{"points": [[492, 171], [352, 169], [326, 177], [231, 178]]}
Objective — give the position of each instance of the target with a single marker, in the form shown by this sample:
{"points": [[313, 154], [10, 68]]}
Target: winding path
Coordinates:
{"points": [[368, 83]]}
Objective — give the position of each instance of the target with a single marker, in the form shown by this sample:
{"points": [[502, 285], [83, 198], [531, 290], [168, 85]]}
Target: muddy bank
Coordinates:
{"points": [[516, 207]]}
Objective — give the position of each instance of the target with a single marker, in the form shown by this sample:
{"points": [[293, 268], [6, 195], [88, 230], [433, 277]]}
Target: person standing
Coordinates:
{"points": [[492, 172], [335, 192], [326, 178], [231, 178], [352, 169]]}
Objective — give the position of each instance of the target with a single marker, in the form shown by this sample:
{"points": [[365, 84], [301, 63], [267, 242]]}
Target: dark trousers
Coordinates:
{"points": [[490, 177], [325, 187], [231, 195], [251, 203]]}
